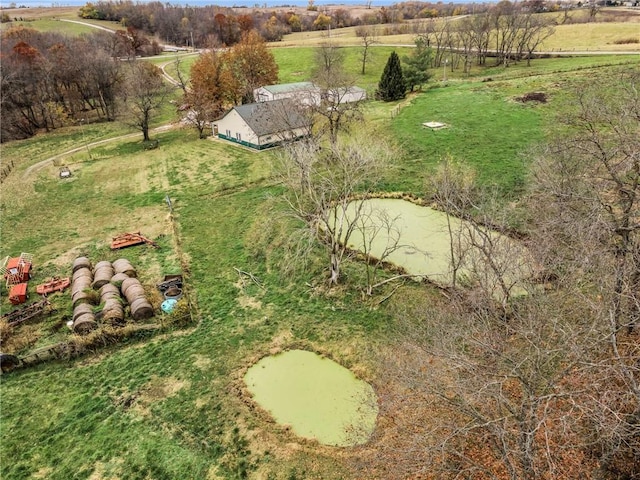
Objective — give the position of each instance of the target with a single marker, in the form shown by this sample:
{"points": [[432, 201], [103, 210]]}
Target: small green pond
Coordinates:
{"points": [[315, 396], [431, 242]]}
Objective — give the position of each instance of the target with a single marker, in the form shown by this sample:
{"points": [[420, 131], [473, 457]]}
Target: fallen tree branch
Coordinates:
{"points": [[250, 275]]}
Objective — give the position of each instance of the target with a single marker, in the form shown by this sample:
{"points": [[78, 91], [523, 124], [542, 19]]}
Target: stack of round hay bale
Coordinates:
{"points": [[133, 291], [81, 281], [112, 310], [102, 274], [84, 319]]}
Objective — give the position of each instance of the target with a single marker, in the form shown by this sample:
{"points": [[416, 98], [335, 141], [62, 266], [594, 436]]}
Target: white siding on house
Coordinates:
{"points": [[237, 128], [262, 124], [282, 136]]}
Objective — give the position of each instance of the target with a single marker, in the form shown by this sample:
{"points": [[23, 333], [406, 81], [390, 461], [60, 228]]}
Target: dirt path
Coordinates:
{"points": [[87, 24], [43, 163]]}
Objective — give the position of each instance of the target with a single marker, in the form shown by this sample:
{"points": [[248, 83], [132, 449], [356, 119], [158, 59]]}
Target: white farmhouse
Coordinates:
{"points": [[263, 124]]}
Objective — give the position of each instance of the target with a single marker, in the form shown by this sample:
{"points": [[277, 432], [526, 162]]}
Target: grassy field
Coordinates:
{"points": [[172, 406], [50, 25]]}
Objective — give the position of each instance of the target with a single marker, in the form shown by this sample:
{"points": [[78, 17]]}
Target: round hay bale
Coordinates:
{"points": [[133, 293], [79, 287], [141, 309], [82, 272], [85, 324], [112, 304], [81, 309], [102, 276], [81, 262], [79, 293], [128, 282], [81, 301], [102, 264], [115, 318], [108, 291], [118, 278], [113, 311], [122, 265]]}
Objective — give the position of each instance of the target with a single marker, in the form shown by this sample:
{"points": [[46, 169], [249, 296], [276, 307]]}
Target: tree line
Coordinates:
{"points": [[50, 80], [214, 25]]}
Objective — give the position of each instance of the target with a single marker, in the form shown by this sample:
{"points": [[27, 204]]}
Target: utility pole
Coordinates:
{"points": [[84, 139]]}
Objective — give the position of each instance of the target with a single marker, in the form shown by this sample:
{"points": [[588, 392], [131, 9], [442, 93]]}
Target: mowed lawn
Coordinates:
{"points": [[485, 128]]}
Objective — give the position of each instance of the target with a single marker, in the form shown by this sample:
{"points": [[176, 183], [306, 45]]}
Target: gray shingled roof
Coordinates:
{"points": [[275, 116]]}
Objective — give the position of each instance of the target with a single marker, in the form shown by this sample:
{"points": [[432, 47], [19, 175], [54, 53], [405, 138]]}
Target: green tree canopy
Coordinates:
{"points": [[416, 65], [392, 84]]}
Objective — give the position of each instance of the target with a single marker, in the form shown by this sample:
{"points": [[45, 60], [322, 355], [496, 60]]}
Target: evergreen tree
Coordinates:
{"points": [[391, 85], [416, 65]]}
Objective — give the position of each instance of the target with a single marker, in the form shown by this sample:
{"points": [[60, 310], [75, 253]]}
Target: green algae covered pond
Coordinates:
{"points": [[317, 397], [431, 243]]}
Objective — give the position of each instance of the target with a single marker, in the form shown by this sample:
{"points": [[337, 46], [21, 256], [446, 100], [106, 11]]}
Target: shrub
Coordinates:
{"points": [[626, 41]]}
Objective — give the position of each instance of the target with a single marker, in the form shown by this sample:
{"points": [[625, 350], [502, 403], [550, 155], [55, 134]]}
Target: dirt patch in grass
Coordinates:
{"points": [[538, 97], [202, 362], [214, 473], [102, 471], [65, 259], [156, 390], [44, 472], [248, 302]]}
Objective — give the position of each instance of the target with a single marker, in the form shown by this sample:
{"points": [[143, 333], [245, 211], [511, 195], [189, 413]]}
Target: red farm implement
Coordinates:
{"points": [[130, 239]]}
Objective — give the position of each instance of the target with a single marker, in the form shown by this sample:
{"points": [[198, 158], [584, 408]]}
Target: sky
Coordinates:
{"points": [[223, 3], [198, 3]]}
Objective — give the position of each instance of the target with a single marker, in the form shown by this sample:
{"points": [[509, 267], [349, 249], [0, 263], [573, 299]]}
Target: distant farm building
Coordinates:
{"points": [[263, 124], [345, 95], [305, 93]]}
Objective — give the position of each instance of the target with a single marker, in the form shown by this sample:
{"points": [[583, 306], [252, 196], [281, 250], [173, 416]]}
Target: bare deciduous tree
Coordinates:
{"points": [[465, 395], [327, 188], [368, 37], [496, 264], [378, 232], [590, 184], [145, 93], [335, 108], [586, 188], [182, 80]]}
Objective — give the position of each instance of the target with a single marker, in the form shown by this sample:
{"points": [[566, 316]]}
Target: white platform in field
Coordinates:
{"points": [[435, 125]]}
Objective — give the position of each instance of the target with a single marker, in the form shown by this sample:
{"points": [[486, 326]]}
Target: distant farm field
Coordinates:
{"points": [[594, 37]]}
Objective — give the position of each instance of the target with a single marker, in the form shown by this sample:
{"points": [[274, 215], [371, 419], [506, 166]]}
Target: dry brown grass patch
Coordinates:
{"points": [[156, 390]]}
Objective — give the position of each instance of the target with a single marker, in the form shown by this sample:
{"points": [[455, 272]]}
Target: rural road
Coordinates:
{"points": [[87, 24]]}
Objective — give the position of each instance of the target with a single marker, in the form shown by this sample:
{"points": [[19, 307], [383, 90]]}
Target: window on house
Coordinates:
{"points": [[239, 137], [228, 133]]}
